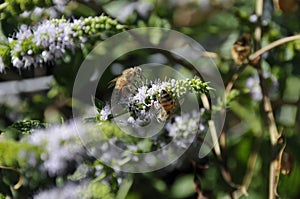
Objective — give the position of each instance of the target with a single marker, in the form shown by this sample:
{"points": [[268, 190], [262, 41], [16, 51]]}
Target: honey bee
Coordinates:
{"points": [[241, 49], [124, 84], [287, 163], [287, 6], [167, 105]]}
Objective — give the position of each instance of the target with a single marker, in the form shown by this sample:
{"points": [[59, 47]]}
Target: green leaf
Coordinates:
{"points": [[289, 52], [145, 145], [183, 187], [248, 115], [18, 129], [98, 190], [2, 196], [80, 9]]}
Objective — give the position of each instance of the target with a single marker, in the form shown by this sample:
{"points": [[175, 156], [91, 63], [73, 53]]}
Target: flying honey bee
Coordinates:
{"points": [[124, 84], [287, 6], [241, 49], [167, 105], [287, 163]]}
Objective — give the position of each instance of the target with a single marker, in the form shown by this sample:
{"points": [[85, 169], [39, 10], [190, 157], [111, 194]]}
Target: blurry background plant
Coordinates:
{"points": [[36, 84]]}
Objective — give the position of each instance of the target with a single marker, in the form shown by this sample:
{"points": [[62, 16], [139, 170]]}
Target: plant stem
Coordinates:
{"points": [[258, 30], [21, 178], [217, 149], [235, 76], [274, 135], [253, 157], [273, 45]]}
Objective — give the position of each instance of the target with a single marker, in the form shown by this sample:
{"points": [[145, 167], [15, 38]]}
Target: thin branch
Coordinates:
{"points": [[259, 52], [273, 45], [258, 30], [274, 134], [217, 149], [250, 167], [234, 79], [214, 55], [210, 54], [250, 171], [281, 102], [253, 157], [21, 178], [212, 128]]}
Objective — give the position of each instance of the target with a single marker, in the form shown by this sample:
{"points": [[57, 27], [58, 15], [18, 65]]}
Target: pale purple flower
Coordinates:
{"points": [[185, 127], [61, 144], [68, 191], [252, 83], [105, 112], [17, 62], [44, 34], [141, 95], [53, 38], [131, 120], [28, 61]]}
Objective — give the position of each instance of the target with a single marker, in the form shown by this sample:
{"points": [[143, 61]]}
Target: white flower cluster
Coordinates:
{"points": [[144, 104], [52, 39], [69, 146], [185, 127], [86, 189], [61, 145], [105, 112], [150, 92], [68, 191]]}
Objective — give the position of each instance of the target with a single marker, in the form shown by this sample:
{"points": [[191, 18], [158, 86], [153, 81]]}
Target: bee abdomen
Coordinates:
{"points": [[166, 101]]}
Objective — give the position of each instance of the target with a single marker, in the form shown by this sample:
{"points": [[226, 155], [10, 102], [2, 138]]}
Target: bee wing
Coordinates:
{"points": [[142, 77], [162, 115], [112, 82], [242, 48], [180, 101]]}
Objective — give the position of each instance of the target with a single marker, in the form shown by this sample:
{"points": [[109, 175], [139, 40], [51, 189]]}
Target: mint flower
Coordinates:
{"points": [[185, 127], [252, 83], [69, 190], [53, 39], [59, 146], [144, 104], [105, 113]]}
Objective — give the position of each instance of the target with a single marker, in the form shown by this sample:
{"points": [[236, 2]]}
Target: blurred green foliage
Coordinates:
{"points": [[216, 25]]}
